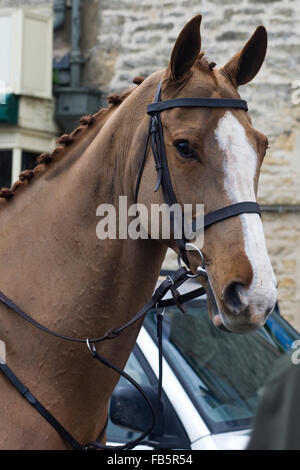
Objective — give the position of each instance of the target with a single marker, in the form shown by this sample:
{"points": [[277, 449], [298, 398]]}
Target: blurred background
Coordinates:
{"points": [[61, 58]]}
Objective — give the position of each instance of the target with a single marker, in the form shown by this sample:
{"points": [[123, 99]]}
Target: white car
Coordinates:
{"points": [[212, 380]]}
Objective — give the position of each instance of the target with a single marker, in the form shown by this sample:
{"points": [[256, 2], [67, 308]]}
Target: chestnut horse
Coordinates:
{"points": [[55, 267]]}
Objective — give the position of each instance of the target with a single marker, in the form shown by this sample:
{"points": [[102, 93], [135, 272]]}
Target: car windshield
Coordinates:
{"points": [[223, 373]]}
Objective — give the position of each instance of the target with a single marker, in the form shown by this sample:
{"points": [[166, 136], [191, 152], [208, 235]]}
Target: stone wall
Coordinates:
{"points": [[44, 6], [283, 243], [136, 38]]}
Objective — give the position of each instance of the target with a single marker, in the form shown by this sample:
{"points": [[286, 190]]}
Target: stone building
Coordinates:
{"points": [[124, 38]]}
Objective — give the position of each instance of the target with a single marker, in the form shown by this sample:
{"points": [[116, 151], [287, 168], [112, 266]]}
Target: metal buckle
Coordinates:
{"points": [[2, 353], [201, 271], [91, 347], [154, 124], [159, 314]]}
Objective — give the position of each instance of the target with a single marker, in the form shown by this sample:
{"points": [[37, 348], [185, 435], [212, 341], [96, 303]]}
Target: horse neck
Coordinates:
{"points": [[53, 266], [59, 211]]}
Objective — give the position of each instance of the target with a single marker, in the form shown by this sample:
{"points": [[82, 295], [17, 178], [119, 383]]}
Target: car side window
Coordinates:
{"points": [[140, 371], [136, 371]]}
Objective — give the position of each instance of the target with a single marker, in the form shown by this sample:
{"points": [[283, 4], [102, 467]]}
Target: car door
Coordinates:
{"points": [[169, 433]]}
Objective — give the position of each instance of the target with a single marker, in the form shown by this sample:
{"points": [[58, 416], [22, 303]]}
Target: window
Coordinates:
{"points": [[5, 168], [224, 374], [12, 162], [172, 431], [29, 160], [133, 368]]}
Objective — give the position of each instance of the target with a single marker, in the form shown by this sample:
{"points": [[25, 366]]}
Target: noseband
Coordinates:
{"points": [[155, 134]]}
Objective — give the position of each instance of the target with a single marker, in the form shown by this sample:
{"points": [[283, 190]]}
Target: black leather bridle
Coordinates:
{"points": [[156, 135], [171, 283]]}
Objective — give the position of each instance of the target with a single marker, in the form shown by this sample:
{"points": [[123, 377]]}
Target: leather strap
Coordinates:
{"points": [[142, 163], [178, 278], [247, 207], [172, 281], [131, 444], [163, 173], [25, 392], [182, 298], [197, 103]]}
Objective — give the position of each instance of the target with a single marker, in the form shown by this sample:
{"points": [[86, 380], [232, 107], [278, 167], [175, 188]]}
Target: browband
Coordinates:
{"points": [[196, 103]]}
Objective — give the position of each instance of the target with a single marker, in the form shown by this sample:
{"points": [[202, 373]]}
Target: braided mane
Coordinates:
{"points": [[65, 141]]}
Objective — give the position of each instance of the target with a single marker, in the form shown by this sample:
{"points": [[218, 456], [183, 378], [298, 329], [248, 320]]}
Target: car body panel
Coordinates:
{"points": [[187, 413], [237, 440]]}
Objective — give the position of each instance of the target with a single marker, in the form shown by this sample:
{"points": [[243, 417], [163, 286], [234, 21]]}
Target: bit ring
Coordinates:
{"points": [[200, 269]]}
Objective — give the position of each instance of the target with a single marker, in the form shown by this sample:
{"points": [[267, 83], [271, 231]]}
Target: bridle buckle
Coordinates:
{"points": [[91, 347]]}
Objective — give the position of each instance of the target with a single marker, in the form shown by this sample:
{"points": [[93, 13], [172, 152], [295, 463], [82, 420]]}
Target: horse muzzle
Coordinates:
{"points": [[239, 311]]}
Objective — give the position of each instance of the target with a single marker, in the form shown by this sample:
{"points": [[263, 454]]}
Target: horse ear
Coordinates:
{"points": [[186, 49], [245, 64]]}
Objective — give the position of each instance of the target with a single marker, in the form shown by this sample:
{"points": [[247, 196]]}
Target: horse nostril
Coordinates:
{"points": [[233, 297]]}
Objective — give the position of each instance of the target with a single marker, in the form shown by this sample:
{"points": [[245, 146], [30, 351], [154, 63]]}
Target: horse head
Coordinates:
{"points": [[214, 157]]}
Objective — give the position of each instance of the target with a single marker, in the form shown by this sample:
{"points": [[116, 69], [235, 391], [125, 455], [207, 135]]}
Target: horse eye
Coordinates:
{"points": [[184, 149]]}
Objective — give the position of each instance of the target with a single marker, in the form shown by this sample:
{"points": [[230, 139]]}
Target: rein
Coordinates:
{"points": [[171, 283]]}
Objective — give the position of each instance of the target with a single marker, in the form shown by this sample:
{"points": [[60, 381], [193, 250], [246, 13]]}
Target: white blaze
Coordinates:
{"points": [[240, 165]]}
